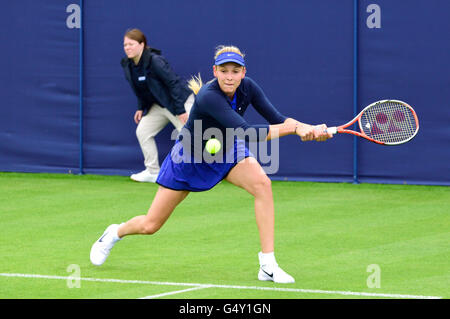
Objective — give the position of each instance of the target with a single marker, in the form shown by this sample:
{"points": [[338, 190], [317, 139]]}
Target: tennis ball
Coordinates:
{"points": [[213, 146]]}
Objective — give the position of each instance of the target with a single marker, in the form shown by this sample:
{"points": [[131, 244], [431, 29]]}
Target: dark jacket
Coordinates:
{"points": [[166, 86]]}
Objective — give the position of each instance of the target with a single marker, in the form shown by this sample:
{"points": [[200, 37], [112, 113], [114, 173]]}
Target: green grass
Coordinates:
{"points": [[327, 234]]}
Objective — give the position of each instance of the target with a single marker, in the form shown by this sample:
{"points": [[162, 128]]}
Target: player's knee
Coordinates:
{"points": [[262, 185], [150, 228]]}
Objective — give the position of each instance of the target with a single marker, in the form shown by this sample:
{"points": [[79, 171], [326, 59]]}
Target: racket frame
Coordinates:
{"points": [[342, 128]]}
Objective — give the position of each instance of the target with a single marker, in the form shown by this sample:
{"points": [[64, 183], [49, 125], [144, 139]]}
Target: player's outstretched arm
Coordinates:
{"points": [[305, 131]]}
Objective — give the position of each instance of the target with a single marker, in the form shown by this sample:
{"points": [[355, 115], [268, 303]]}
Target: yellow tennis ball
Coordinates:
{"points": [[213, 146]]}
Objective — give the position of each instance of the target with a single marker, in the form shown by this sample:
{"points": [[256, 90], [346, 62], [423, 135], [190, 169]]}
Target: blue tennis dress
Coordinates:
{"points": [[179, 171]]}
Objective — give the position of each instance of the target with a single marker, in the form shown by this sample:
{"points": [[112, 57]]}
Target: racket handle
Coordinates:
{"points": [[332, 130]]}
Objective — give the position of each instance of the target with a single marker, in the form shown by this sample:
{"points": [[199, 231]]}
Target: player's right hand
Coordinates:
{"points": [[305, 131]]}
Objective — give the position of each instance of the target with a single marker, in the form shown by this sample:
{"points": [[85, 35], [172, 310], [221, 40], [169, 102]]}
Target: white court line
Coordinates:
{"points": [[174, 292], [314, 291]]}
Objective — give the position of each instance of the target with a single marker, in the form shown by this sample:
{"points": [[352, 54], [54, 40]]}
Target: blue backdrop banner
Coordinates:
{"points": [[300, 52]]}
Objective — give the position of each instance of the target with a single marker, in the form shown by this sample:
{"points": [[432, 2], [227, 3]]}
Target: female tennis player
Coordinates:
{"points": [[219, 105]]}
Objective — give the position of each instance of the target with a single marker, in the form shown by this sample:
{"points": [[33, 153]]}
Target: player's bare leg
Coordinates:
{"points": [[162, 207], [249, 175], [160, 210]]}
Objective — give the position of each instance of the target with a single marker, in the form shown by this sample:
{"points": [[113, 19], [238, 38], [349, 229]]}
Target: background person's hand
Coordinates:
{"points": [[138, 116], [183, 117]]}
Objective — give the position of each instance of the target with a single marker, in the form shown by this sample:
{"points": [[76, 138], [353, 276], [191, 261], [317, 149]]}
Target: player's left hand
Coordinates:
{"points": [[321, 134]]}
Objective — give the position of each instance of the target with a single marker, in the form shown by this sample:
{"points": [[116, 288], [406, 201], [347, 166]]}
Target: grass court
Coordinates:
{"points": [[337, 240]]}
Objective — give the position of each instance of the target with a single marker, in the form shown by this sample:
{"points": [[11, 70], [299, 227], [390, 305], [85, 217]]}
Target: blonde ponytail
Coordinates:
{"points": [[195, 83]]}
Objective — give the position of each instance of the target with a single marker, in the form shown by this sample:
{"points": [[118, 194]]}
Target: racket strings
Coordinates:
{"points": [[389, 122]]}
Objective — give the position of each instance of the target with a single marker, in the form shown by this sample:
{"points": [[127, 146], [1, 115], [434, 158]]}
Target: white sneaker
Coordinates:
{"points": [[144, 176], [276, 274], [101, 248], [270, 271]]}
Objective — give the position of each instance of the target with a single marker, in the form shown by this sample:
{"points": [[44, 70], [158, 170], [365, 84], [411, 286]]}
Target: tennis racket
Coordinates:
{"points": [[386, 122]]}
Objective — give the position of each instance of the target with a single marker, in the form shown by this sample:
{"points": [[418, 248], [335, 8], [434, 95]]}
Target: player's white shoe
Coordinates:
{"points": [[270, 271], [276, 274], [101, 248]]}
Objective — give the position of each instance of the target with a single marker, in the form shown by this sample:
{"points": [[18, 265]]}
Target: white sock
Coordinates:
{"points": [[267, 259], [114, 236]]}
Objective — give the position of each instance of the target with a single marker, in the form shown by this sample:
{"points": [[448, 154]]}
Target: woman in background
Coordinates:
{"points": [[162, 97]]}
